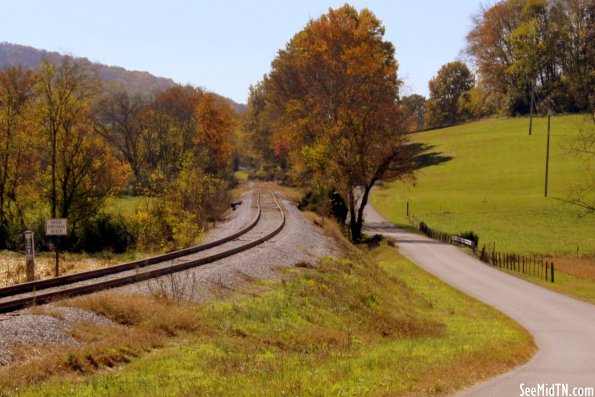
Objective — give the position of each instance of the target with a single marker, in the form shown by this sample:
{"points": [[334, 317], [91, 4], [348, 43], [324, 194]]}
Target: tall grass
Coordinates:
{"points": [[12, 264]]}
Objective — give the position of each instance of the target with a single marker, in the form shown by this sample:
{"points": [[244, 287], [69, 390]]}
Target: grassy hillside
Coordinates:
{"points": [[494, 185]]}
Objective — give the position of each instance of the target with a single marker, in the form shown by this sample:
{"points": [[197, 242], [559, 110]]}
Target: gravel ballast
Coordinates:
{"points": [[299, 241]]}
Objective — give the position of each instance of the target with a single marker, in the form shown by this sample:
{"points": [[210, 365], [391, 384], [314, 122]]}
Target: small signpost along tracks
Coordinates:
{"points": [[19, 296]]}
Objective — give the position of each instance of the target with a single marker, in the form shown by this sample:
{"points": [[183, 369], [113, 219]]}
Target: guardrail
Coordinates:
{"points": [[463, 241], [536, 266]]}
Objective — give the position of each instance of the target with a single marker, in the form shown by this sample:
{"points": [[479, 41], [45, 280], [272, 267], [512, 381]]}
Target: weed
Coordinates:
{"points": [[371, 324]]}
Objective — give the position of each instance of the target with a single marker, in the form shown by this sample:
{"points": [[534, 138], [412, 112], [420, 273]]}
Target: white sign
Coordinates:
{"points": [[29, 244], [55, 227]]}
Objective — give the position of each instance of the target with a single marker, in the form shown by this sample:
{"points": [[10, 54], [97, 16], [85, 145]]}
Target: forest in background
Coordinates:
{"points": [[70, 142], [523, 56], [330, 115]]}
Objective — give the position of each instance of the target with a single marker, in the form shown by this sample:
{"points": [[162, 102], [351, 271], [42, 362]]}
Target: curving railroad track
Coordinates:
{"points": [[269, 221]]}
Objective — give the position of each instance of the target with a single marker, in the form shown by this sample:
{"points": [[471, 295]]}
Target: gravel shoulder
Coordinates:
{"points": [[299, 241]]}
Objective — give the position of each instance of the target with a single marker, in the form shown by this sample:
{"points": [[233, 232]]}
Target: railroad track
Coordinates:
{"points": [[269, 221]]}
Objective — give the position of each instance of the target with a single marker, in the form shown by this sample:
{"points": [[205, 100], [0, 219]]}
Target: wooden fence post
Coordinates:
{"points": [[552, 272], [523, 264]]}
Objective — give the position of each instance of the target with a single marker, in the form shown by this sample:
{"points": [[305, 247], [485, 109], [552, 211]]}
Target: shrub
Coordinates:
{"points": [[105, 232], [470, 235], [325, 203]]}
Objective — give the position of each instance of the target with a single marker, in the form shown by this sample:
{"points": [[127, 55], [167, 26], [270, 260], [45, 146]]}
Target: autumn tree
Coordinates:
{"points": [[576, 21], [540, 46], [119, 118], [333, 93], [171, 128], [18, 160], [447, 90], [185, 153], [179, 103], [490, 44], [82, 169], [216, 121], [415, 104]]}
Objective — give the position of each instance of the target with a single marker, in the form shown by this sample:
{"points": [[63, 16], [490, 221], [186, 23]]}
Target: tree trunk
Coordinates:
{"points": [[53, 192], [357, 216], [352, 218]]}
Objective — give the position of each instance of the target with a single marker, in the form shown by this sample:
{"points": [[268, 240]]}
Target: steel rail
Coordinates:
{"points": [[87, 275], [36, 288]]}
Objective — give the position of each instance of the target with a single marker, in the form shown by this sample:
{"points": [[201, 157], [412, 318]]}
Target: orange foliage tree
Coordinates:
{"points": [[333, 92], [216, 122]]}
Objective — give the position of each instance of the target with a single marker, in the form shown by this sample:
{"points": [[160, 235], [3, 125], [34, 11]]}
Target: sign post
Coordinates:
{"points": [[30, 254], [56, 227]]}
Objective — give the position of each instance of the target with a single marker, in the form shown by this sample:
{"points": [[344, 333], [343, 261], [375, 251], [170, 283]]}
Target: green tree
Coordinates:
{"points": [[82, 169], [18, 160], [332, 94], [447, 88], [256, 135]]}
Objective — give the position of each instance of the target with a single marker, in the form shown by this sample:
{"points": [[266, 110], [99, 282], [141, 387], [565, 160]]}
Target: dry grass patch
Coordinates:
{"points": [[294, 194], [142, 324], [578, 267], [99, 347], [159, 316], [12, 264]]}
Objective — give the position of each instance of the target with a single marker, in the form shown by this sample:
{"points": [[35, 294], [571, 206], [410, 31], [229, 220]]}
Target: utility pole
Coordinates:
{"points": [[547, 153], [531, 105]]}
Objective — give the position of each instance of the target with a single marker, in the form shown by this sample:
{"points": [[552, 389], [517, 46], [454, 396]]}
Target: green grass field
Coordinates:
{"points": [[372, 325], [494, 186], [241, 175], [127, 205]]}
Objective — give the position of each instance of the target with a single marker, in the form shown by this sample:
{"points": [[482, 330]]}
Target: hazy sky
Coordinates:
{"points": [[226, 45]]}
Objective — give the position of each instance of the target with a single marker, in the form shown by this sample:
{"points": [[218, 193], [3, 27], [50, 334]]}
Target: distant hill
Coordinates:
{"points": [[131, 81]]}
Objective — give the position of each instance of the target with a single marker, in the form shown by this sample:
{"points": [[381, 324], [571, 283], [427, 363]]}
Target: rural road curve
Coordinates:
{"points": [[563, 328]]}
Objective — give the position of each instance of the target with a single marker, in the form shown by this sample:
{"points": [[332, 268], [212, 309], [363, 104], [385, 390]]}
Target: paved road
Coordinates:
{"points": [[563, 328]]}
